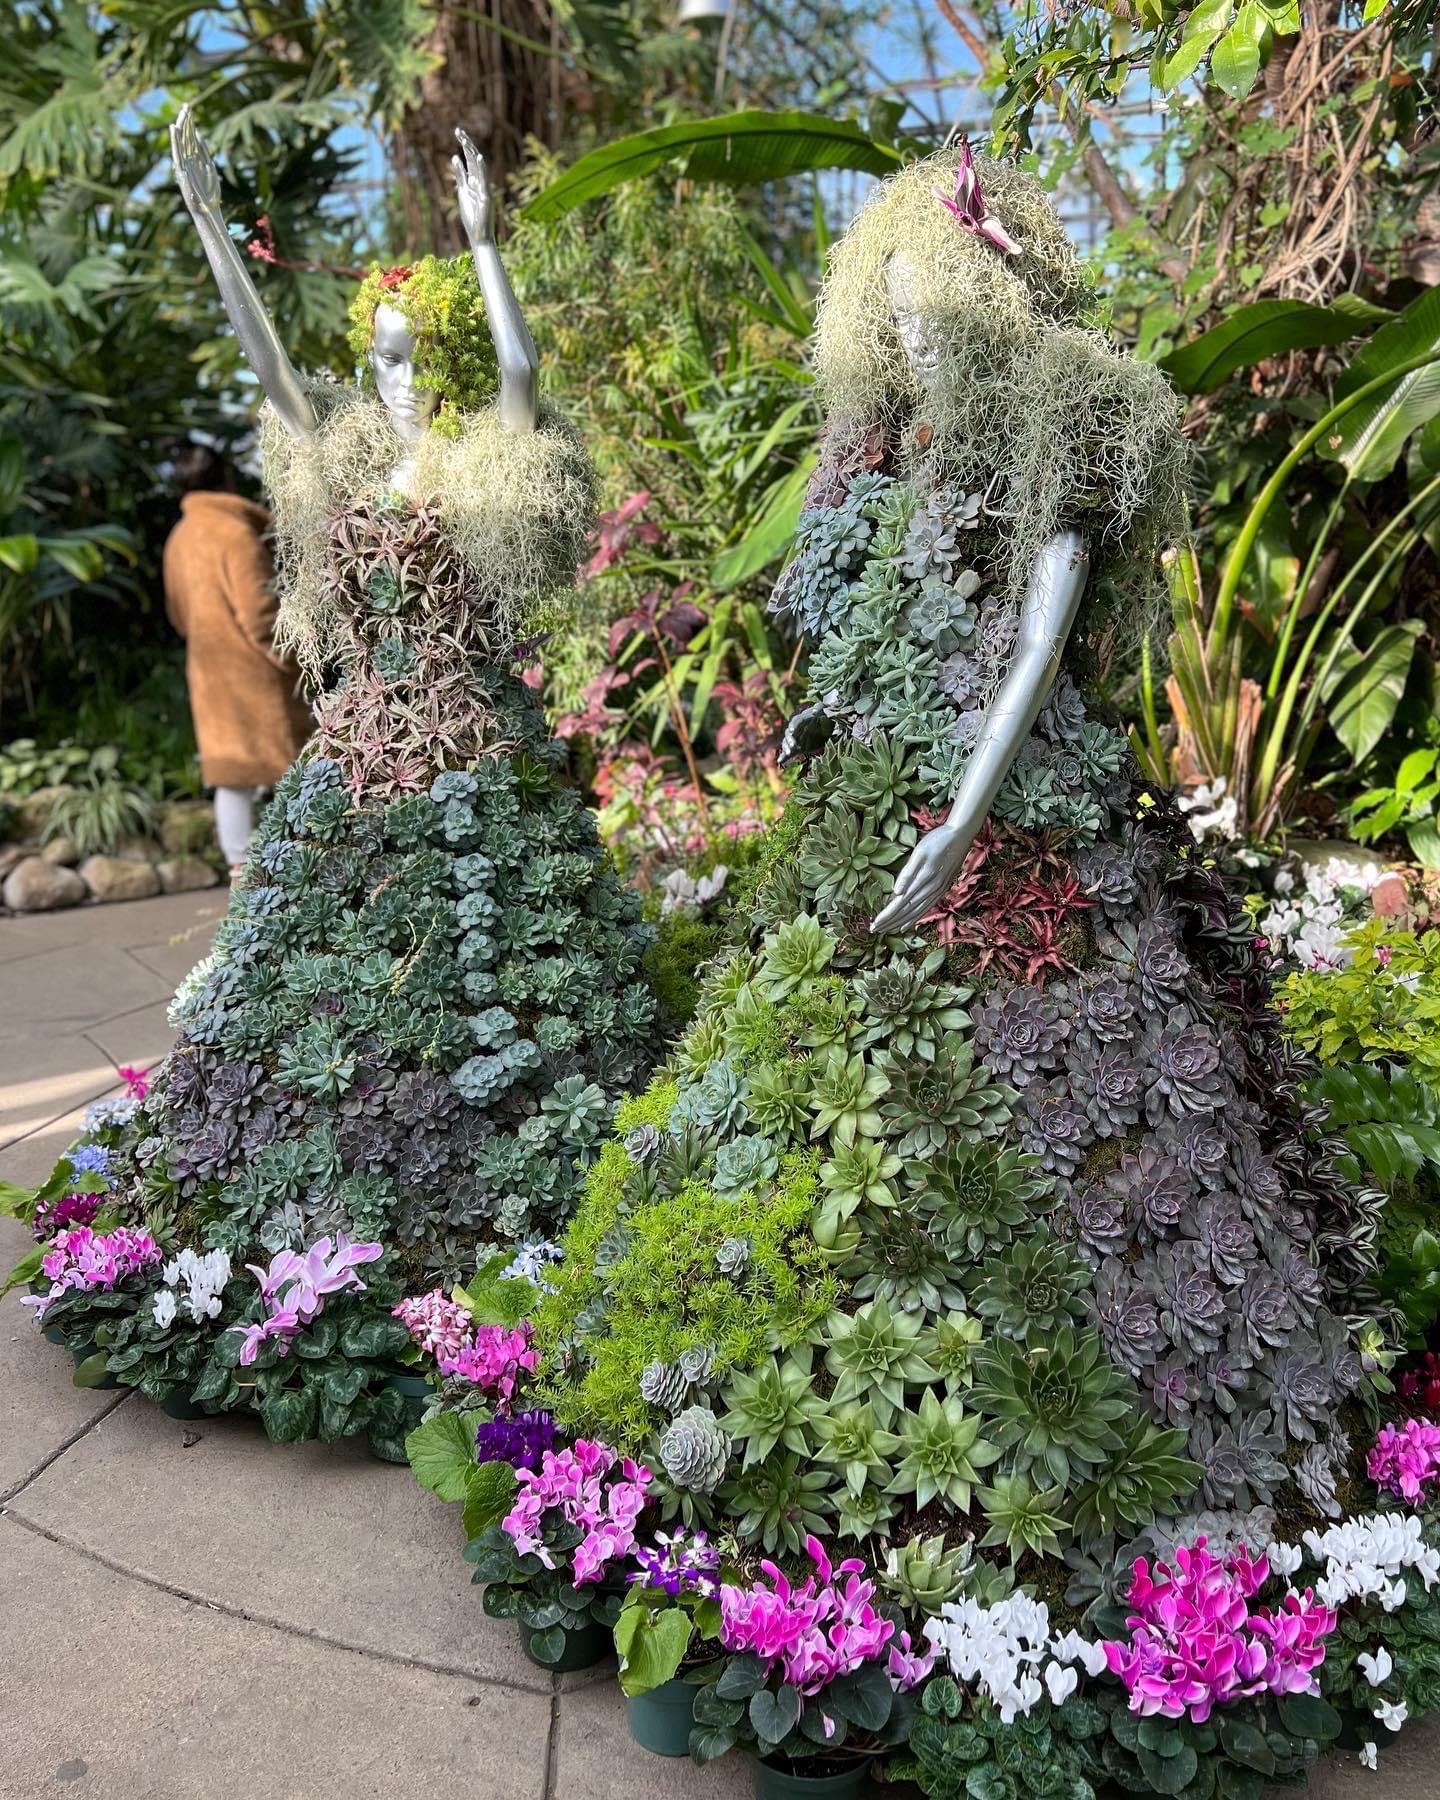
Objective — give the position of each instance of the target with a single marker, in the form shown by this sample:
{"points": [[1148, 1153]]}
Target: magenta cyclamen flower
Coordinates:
{"points": [[814, 1633], [137, 1081], [1406, 1460], [1195, 1642], [82, 1258], [494, 1361], [296, 1286], [68, 1211], [579, 1484], [437, 1324]]}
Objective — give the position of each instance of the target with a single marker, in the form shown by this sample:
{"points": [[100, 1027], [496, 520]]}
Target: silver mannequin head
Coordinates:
{"points": [[392, 362], [911, 327]]}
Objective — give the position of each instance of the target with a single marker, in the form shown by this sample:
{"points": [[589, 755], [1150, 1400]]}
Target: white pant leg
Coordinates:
{"points": [[234, 821]]}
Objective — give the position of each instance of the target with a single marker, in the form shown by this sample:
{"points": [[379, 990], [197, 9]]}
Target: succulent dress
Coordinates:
{"points": [[1018, 1215], [426, 992]]}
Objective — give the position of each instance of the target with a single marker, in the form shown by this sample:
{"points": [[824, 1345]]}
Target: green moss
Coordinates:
{"points": [[653, 1107], [683, 945], [665, 1294], [440, 301], [777, 850]]}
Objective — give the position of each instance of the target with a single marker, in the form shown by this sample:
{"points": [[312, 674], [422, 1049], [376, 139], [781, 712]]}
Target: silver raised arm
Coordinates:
{"points": [[200, 189], [514, 348], [1049, 611]]}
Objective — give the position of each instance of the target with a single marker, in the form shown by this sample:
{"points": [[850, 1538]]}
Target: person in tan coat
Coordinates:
{"points": [[250, 721]]}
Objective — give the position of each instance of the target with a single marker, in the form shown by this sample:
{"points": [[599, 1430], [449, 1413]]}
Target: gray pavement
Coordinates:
{"points": [[192, 1613]]}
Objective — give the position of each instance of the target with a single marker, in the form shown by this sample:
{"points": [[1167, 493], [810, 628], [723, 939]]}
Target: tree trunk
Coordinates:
{"points": [[502, 73]]}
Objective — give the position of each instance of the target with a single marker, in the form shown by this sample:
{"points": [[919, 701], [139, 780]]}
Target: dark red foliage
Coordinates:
{"points": [[1013, 905]]}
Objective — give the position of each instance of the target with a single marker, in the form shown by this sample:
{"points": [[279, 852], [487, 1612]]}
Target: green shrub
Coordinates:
{"points": [[1385, 1004]]}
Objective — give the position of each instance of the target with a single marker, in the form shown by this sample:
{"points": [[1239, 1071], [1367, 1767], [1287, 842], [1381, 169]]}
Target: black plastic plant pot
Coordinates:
{"points": [[661, 1719], [84, 1354], [773, 1783], [177, 1404], [584, 1647]]}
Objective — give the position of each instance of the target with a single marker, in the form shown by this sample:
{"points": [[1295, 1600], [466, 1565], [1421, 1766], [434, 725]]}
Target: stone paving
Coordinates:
{"points": [[193, 1613]]}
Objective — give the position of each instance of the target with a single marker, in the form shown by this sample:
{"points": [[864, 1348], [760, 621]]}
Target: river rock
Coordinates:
{"points": [[138, 849], [118, 878], [11, 854], [61, 850], [186, 826], [32, 814], [185, 874], [35, 885]]}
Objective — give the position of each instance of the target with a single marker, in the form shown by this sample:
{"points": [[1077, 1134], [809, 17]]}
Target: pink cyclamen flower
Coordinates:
{"points": [[968, 205], [1405, 1460], [137, 1081], [580, 1484], [814, 1633], [437, 1323], [295, 1288], [1195, 1642], [494, 1360], [82, 1258]]}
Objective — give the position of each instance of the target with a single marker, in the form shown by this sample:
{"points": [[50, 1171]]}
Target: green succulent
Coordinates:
{"points": [[779, 1503], [978, 1196], [858, 1175], [863, 1515], [921, 1575], [701, 1047], [929, 1104], [1032, 1289], [1145, 1474], [939, 1452], [685, 1156], [907, 1010], [844, 1090], [819, 1016], [1056, 1404], [792, 955], [957, 1337], [844, 862], [877, 777], [318, 1062], [1022, 1519], [898, 1260], [745, 1162], [875, 1355], [753, 1031], [774, 1404], [780, 1099], [849, 1438]]}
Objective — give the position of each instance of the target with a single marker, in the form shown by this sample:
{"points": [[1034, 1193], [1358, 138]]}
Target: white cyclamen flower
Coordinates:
{"points": [[1285, 1559], [1370, 1756], [1392, 1717], [1376, 1668], [164, 1309]]}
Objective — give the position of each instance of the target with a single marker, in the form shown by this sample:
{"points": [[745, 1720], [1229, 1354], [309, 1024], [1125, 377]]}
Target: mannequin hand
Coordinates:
{"points": [[472, 184], [194, 166], [805, 734], [933, 869]]}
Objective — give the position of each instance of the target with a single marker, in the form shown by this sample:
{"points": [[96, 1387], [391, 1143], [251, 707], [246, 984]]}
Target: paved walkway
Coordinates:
{"points": [[192, 1613]]}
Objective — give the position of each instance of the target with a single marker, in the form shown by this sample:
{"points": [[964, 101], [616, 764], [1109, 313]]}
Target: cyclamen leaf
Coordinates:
{"points": [[442, 1454], [489, 1493], [775, 1716]]}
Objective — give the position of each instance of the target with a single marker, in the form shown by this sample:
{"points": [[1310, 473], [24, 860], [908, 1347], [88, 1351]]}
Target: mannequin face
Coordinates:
{"points": [[392, 361], [910, 324]]}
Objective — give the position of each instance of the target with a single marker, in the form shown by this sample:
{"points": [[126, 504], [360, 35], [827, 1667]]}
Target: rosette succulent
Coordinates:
{"points": [[694, 1450]]}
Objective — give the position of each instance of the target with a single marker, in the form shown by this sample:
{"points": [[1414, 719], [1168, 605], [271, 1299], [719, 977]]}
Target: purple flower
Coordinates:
{"points": [[968, 206], [679, 1562], [52, 1216], [521, 1441]]}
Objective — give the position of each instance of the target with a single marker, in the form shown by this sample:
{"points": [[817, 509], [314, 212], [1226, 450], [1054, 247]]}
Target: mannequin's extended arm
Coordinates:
{"points": [[1050, 606], [200, 189], [514, 348]]}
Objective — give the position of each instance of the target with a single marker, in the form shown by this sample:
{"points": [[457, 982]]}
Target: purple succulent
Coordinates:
{"points": [[1266, 1315], [1019, 1035], [1226, 1375], [1183, 1066], [1198, 1143], [1192, 1308], [1219, 1227], [1109, 878], [1127, 1312], [1101, 1219], [1153, 1190], [1255, 1178], [1054, 1127], [1299, 1392], [1113, 1087], [1171, 1391], [1104, 1012]]}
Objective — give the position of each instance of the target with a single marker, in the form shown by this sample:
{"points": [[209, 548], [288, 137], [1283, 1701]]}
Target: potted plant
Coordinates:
{"points": [[85, 1279], [671, 1613], [552, 1563], [816, 1685]]}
